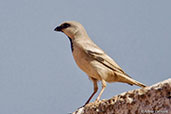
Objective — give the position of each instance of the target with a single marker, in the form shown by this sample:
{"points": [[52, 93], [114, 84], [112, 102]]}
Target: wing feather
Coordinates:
{"points": [[104, 59]]}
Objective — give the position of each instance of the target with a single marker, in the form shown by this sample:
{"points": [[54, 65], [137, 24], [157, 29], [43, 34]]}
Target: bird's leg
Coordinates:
{"points": [[95, 90], [103, 88]]}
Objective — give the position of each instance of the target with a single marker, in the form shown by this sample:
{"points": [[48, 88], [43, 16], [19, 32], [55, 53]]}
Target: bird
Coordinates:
{"points": [[92, 59]]}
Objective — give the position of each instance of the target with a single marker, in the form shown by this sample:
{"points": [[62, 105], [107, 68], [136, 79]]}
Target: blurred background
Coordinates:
{"points": [[38, 74]]}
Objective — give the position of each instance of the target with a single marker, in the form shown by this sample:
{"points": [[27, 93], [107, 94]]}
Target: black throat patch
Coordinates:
{"points": [[71, 44]]}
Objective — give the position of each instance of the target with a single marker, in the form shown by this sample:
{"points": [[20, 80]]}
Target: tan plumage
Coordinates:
{"points": [[93, 60]]}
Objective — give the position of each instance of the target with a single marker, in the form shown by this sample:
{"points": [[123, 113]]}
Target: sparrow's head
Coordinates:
{"points": [[72, 29]]}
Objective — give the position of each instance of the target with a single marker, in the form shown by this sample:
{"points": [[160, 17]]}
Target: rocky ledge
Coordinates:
{"points": [[155, 99]]}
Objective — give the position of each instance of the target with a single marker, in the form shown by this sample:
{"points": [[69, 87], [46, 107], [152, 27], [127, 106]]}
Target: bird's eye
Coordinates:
{"points": [[65, 25]]}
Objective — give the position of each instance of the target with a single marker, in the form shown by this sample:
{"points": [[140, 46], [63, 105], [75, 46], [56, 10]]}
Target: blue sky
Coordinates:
{"points": [[38, 74]]}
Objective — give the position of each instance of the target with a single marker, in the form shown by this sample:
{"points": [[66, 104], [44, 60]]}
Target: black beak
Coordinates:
{"points": [[58, 28]]}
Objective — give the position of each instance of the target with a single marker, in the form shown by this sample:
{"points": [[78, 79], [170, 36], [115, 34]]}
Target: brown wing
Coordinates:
{"points": [[104, 59]]}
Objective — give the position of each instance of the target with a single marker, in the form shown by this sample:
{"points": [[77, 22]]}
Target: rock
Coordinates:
{"points": [[155, 99]]}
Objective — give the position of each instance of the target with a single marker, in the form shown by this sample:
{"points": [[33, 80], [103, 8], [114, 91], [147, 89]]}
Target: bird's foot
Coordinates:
{"points": [[97, 101]]}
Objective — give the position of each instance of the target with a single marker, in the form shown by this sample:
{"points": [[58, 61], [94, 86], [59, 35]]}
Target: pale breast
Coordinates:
{"points": [[85, 63]]}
